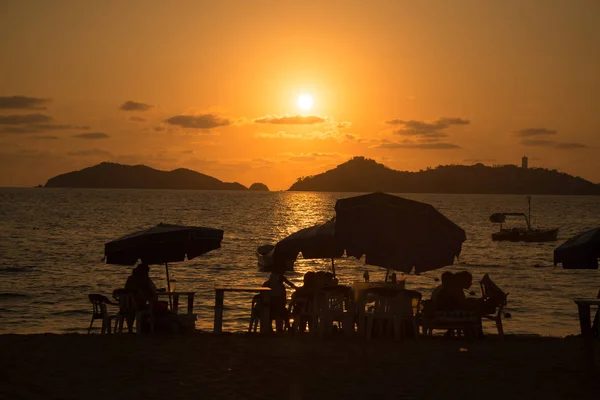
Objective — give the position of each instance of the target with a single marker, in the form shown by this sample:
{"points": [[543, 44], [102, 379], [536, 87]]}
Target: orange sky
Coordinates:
{"points": [[215, 85]]}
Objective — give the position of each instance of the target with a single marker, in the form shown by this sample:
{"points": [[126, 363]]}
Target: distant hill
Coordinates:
{"points": [[259, 187], [116, 176], [364, 175]]}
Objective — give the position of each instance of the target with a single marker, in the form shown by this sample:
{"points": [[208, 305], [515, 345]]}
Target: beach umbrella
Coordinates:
{"points": [[163, 244], [397, 233], [318, 241], [579, 252]]}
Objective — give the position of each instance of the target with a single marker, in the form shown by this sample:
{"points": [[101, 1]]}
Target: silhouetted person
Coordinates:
{"points": [[278, 311], [447, 276], [452, 296], [303, 297], [142, 287]]}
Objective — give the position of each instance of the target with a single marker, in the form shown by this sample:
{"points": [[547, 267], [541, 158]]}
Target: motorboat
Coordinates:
{"points": [[520, 234]]}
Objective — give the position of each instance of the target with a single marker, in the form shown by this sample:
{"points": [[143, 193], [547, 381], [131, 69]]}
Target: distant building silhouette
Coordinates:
{"points": [[524, 162]]}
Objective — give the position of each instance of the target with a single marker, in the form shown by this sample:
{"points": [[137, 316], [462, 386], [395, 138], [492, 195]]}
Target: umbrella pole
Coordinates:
{"points": [[333, 267], [169, 286], [387, 273]]}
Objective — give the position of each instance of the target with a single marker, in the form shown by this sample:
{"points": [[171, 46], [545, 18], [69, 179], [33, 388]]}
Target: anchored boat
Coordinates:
{"points": [[519, 234]]}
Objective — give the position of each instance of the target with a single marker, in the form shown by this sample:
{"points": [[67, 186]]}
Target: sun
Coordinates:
{"points": [[305, 102]]}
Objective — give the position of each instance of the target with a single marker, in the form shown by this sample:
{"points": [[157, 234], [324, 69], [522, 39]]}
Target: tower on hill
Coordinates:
{"points": [[524, 162]]}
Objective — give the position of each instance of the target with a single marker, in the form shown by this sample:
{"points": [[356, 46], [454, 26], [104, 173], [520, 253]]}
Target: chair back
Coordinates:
{"points": [[493, 296], [99, 303], [126, 300]]}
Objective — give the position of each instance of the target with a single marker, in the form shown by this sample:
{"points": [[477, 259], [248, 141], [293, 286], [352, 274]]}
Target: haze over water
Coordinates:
{"points": [[52, 243]]}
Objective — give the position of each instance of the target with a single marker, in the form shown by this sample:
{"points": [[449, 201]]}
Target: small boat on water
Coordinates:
{"points": [[520, 234]]}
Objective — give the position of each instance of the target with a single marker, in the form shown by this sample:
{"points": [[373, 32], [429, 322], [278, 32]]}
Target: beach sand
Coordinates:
{"points": [[240, 366]]}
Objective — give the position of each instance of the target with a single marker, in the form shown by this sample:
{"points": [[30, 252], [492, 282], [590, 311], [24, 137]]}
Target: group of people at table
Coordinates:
{"points": [[448, 296]]}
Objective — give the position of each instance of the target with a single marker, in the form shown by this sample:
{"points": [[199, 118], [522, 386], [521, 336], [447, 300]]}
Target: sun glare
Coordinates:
{"points": [[305, 102]]}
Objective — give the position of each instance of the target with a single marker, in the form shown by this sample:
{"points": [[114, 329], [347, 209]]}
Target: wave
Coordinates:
{"points": [[10, 295], [17, 270], [70, 312]]}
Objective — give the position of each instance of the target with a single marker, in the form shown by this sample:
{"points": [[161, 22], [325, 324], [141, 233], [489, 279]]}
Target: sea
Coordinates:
{"points": [[52, 248]]}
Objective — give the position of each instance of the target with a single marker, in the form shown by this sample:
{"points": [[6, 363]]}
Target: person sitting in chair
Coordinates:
{"points": [[142, 287], [302, 298]]}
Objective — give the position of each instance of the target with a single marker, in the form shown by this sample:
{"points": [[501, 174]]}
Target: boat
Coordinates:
{"points": [[265, 255], [519, 234]]}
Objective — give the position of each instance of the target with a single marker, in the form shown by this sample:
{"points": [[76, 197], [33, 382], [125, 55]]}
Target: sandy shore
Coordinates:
{"points": [[201, 365]]}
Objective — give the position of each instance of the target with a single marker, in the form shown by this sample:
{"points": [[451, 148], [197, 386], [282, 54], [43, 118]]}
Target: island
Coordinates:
{"points": [[361, 174], [109, 175], [259, 187]]}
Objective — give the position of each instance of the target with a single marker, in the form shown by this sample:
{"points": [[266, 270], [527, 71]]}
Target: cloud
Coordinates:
{"points": [[91, 135], [24, 119], [200, 121], [290, 120], [36, 128], [423, 135], [568, 146], [137, 119], [135, 106], [159, 128], [44, 137], [344, 124], [23, 102], [417, 145], [422, 128], [323, 135], [91, 153], [535, 132], [553, 144]]}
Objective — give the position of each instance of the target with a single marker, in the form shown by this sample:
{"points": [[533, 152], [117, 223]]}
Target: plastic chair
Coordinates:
{"points": [[99, 311], [256, 311], [495, 300], [129, 312], [393, 313], [334, 307]]}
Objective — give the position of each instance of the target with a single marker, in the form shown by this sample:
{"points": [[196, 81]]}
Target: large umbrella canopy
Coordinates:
{"points": [[579, 252], [397, 233], [163, 243], [317, 241]]}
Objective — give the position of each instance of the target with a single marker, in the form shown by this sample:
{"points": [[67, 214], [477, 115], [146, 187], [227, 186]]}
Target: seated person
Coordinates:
{"points": [[452, 296], [142, 287], [446, 277], [302, 298]]}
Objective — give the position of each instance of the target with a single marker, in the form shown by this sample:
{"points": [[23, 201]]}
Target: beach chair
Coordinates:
{"points": [[394, 314], [129, 313], [494, 299], [300, 309], [334, 308], [256, 311], [99, 311]]}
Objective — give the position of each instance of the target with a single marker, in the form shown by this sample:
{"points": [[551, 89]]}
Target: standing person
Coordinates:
{"points": [[278, 297]]}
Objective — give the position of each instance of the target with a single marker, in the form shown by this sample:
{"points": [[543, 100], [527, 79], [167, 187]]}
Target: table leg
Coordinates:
{"points": [[265, 317], [175, 303], [219, 294], [584, 319], [190, 303]]}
